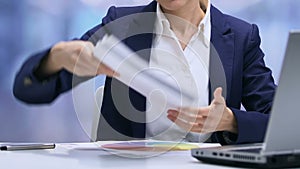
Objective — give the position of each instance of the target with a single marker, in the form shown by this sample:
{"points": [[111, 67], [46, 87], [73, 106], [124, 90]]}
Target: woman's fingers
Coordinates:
{"points": [[103, 69], [205, 119], [77, 57], [186, 125], [187, 115]]}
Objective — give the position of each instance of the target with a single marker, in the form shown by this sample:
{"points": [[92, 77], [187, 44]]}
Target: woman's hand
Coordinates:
{"points": [[76, 57], [215, 117]]}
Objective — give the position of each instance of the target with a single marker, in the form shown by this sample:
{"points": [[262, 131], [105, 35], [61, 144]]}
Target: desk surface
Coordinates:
{"points": [[89, 156]]}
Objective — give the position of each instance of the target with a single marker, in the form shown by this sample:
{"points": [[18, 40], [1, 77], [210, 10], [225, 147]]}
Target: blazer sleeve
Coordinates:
{"points": [[258, 93], [258, 89], [31, 89]]}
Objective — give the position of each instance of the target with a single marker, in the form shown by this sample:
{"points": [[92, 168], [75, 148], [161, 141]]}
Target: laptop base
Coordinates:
{"points": [[274, 161]]}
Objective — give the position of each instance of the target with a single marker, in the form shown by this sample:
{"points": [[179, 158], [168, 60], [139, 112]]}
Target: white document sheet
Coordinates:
{"points": [[135, 72]]}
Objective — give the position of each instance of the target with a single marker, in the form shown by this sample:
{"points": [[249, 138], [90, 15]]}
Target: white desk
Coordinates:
{"points": [[88, 156]]}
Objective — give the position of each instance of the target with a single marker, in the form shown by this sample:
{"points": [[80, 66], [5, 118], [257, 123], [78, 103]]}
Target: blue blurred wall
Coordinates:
{"points": [[28, 26]]}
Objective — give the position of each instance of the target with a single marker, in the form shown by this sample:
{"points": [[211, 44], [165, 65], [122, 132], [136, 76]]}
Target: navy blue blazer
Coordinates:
{"points": [[248, 80]]}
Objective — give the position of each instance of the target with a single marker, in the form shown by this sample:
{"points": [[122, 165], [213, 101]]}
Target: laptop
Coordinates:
{"points": [[281, 146]]}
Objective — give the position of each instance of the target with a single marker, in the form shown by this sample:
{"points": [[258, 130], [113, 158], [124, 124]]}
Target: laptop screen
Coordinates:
{"points": [[283, 128]]}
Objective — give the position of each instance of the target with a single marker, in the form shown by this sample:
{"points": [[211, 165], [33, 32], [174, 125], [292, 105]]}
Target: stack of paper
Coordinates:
{"points": [[135, 72]]}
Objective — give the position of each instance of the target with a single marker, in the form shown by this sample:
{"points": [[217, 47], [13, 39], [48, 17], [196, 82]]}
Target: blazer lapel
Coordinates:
{"points": [[140, 32], [222, 54], [139, 38]]}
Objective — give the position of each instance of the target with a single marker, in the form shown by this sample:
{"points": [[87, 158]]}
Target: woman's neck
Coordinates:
{"points": [[183, 19]]}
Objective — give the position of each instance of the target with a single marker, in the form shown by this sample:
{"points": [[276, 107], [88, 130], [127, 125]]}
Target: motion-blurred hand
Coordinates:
{"points": [[76, 57]]}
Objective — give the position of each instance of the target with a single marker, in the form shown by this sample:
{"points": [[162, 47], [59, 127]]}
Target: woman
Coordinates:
{"points": [[248, 81]]}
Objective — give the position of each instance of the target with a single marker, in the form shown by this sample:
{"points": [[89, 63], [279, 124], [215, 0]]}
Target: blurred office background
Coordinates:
{"points": [[28, 26]]}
